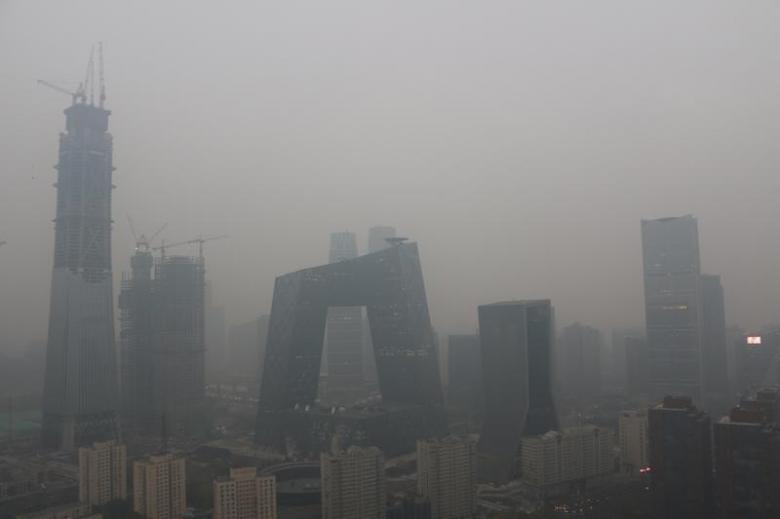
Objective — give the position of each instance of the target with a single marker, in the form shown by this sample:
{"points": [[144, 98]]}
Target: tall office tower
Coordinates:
{"points": [[102, 473], [80, 390], [680, 455], [632, 433], [245, 495], [160, 487], [344, 335], [517, 367], [447, 476], [353, 484], [713, 344], [580, 363], [377, 240], [180, 364], [377, 237], [637, 372], [390, 284], [670, 252], [747, 462], [464, 382], [246, 347], [215, 330], [551, 462], [137, 311], [615, 376]]}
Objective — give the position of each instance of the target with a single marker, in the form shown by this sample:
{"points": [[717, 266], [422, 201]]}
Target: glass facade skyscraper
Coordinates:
{"points": [[517, 363], [80, 389], [670, 252]]}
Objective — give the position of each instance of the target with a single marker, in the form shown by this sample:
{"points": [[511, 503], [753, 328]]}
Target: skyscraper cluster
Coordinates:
{"points": [[503, 381]]}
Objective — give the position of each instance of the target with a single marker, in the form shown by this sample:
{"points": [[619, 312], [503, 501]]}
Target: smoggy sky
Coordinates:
{"points": [[519, 142]]}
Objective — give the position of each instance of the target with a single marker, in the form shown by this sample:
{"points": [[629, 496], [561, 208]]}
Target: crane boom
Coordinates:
{"points": [[78, 94], [200, 241]]}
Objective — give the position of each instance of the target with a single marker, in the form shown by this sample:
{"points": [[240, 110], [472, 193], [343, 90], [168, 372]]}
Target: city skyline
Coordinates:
{"points": [[440, 261], [672, 161]]}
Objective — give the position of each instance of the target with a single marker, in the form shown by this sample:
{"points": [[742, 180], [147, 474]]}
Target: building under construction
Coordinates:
{"points": [[163, 344], [79, 395]]}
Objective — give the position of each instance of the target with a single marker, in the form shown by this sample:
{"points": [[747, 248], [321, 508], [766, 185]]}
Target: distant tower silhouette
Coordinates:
{"points": [[517, 363], [80, 390]]}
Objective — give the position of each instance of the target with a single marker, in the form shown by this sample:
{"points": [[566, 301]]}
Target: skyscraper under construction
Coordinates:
{"points": [[79, 401], [163, 343]]}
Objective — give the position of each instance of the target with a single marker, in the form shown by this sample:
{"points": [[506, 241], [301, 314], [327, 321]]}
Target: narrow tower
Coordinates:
{"points": [[80, 386]]}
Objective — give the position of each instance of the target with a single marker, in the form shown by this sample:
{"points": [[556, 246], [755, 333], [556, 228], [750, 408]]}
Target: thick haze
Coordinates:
{"points": [[520, 143]]}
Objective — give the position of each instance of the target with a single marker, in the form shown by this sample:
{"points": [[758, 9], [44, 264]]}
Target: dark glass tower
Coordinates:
{"points": [[680, 455], [517, 364], [715, 378], [344, 335], [464, 380], [136, 335], [670, 251], [580, 363], [80, 390], [390, 284]]}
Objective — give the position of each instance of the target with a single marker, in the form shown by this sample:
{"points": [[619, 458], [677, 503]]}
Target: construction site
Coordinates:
{"points": [[162, 342]]}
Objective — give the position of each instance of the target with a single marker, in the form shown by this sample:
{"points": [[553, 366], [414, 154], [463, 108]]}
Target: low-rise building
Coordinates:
{"points": [[159, 487], [245, 495], [632, 434], [553, 460]]}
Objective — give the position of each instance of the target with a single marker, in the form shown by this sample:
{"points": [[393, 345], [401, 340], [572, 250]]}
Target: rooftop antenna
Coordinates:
{"points": [[89, 76], [102, 81]]}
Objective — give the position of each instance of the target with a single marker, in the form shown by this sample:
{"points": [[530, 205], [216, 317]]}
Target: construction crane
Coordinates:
{"points": [[200, 241], [142, 242], [80, 95]]}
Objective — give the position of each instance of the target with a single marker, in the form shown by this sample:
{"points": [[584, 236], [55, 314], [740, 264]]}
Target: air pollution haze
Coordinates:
{"points": [[519, 143]]}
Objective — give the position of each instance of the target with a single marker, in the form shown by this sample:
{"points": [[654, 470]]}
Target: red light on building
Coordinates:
{"points": [[754, 340]]}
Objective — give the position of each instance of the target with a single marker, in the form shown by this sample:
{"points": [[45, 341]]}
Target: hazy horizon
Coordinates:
{"points": [[519, 143]]}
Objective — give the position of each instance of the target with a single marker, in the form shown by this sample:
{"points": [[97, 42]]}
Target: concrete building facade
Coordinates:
{"points": [[632, 440], [447, 476], [353, 484], [550, 461], [245, 495], [159, 487], [102, 473]]}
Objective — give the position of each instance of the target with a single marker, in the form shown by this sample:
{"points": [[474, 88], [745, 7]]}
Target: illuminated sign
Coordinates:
{"points": [[754, 340]]}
